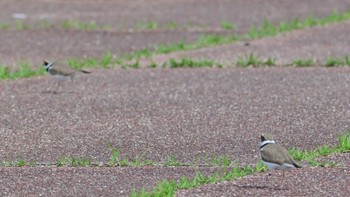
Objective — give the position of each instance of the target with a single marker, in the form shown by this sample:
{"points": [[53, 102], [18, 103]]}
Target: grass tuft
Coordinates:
{"points": [[226, 25], [248, 60], [18, 163], [73, 161], [303, 63], [23, 71], [191, 63], [344, 142]]}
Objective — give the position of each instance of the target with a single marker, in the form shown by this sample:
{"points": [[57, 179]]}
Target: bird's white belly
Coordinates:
{"points": [[274, 166], [60, 77]]}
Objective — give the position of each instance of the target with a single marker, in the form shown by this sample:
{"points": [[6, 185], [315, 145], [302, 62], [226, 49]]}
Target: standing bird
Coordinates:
{"points": [[274, 156], [61, 71]]}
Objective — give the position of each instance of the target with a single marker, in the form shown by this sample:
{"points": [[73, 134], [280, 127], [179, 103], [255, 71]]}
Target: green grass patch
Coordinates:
{"points": [[116, 160], [18, 163], [74, 161], [252, 60], [5, 26], [23, 71], [168, 187], [149, 25], [226, 25], [303, 62], [331, 62], [20, 25], [190, 63], [325, 150]]}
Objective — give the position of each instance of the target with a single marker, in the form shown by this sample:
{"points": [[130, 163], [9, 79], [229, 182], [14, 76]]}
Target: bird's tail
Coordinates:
{"points": [[295, 164]]}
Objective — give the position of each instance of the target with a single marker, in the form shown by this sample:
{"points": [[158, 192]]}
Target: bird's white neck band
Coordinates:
{"points": [[267, 142]]}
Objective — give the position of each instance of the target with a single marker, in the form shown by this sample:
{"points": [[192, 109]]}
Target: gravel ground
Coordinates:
{"points": [[63, 181], [189, 14], [156, 113], [58, 44]]}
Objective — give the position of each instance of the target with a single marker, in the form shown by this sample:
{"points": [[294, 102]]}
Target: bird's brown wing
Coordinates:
{"points": [[62, 69], [277, 154]]}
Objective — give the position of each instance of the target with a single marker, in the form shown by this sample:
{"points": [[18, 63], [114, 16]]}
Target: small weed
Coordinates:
{"points": [[150, 25], [324, 150], [260, 167], [270, 62], [171, 26], [73, 161], [114, 160], [185, 62], [297, 154], [5, 26], [4, 72], [248, 60], [344, 142], [331, 62], [303, 63], [106, 60], [347, 60], [20, 25], [18, 163], [165, 49], [227, 25]]}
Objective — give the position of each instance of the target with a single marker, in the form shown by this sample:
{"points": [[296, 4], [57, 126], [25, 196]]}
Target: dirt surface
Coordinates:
{"points": [[155, 113], [317, 44], [190, 114], [193, 14], [44, 181], [298, 182], [192, 19], [59, 44]]}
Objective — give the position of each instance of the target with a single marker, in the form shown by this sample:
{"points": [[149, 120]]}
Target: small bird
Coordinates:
{"points": [[274, 156], [61, 71]]}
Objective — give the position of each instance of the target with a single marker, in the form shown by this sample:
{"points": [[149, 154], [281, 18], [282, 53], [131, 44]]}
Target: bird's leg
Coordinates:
{"points": [[57, 87]]}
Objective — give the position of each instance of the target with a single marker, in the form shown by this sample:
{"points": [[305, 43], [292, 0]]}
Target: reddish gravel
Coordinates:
{"points": [[156, 113], [58, 44], [47, 181]]}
